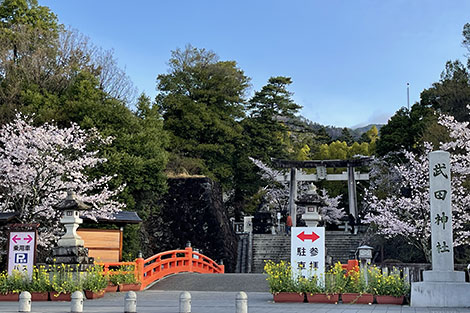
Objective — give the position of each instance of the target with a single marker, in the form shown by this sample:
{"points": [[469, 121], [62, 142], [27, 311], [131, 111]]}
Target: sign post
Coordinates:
{"points": [[308, 251], [22, 248]]}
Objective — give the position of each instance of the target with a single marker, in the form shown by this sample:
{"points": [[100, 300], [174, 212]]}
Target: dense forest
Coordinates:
{"points": [[203, 121]]}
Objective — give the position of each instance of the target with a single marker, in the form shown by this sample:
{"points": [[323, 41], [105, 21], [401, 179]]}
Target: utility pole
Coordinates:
{"points": [[408, 95]]}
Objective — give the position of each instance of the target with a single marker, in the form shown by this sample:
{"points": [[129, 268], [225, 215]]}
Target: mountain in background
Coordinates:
{"points": [[304, 125]]}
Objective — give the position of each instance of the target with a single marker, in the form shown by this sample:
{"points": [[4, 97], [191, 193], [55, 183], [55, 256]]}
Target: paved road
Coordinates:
{"points": [[207, 298], [152, 301], [213, 282]]}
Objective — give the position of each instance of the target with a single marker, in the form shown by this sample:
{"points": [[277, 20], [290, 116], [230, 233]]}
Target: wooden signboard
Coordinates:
{"points": [[105, 245]]}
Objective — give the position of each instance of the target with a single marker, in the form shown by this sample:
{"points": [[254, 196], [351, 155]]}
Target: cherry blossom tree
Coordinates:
{"points": [[38, 165], [398, 198], [277, 194]]}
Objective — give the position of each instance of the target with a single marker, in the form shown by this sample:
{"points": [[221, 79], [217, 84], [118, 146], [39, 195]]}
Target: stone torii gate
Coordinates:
{"points": [[321, 165]]}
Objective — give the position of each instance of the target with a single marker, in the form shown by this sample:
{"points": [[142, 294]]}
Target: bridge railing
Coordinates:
{"points": [[166, 263]]}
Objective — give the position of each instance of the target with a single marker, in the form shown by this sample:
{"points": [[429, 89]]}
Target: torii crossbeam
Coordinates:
{"points": [[321, 165]]}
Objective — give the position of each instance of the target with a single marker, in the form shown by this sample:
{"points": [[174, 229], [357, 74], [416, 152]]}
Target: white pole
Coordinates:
{"points": [[130, 302], [77, 302], [241, 303], [25, 302], [185, 302]]}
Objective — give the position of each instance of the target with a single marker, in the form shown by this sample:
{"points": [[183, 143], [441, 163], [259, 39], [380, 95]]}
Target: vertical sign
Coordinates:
{"points": [[308, 251], [441, 213], [21, 251]]}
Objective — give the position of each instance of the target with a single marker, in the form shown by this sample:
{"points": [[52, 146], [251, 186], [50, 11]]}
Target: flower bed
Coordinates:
{"points": [[337, 282], [59, 281]]}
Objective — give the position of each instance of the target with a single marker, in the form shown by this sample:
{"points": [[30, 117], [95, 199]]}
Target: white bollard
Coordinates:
{"points": [[185, 302], [77, 302], [25, 302], [130, 302], [241, 303]]}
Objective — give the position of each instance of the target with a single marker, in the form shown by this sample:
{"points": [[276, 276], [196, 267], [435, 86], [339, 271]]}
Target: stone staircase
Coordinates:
{"points": [[269, 247], [340, 246]]}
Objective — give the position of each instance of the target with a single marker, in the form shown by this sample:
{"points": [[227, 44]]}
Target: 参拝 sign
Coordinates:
{"points": [[308, 251]]}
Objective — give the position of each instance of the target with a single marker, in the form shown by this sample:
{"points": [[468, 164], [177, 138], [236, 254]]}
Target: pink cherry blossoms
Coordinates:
{"points": [[37, 167], [395, 212]]}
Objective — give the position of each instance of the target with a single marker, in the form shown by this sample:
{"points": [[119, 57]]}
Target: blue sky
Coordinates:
{"points": [[349, 60]]}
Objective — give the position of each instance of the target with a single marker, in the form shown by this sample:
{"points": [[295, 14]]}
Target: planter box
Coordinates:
{"points": [[111, 288], [94, 295], [55, 296], [322, 298], [39, 296], [129, 287], [389, 300], [288, 297], [364, 298], [9, 296]]}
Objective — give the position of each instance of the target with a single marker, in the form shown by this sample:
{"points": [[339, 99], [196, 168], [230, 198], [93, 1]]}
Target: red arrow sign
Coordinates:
{"points": [[28, 239], [15, 239], [302, 236]]}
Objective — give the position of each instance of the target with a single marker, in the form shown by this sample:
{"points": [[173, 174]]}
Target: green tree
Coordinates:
{"points": [[201, 100], [405, 129], [265, 128], [346, 136], [451, 94]]}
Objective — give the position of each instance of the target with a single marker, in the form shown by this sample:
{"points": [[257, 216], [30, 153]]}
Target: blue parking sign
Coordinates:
{"points": [[21, 258]]}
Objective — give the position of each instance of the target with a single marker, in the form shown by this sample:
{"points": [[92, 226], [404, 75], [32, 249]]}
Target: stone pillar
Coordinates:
{"points": [[293, 196], [442, 286], [441, 219], [352, 191]]}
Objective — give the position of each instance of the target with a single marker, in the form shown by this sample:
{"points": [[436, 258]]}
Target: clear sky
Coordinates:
{"points": [[350, 60]]}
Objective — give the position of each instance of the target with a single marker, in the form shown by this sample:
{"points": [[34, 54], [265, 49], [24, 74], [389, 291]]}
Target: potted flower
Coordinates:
{"points": [[281, 283], [114, 280], [128, 279], [95, 282], [314, 289], [334, 284], [12, 285], [356, 289], [389, 289], [64, 282], [39, 284]]}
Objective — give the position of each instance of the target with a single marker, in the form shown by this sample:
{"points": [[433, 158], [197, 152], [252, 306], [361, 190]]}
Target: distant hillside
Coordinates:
{"points": [[303, 124]]}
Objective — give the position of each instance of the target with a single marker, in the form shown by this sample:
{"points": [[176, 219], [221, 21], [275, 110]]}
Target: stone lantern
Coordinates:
{"points": [[312, 203], [71, 219], [70, 247]]}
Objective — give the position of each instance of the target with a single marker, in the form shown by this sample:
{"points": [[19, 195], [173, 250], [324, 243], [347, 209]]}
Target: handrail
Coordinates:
{"points": [[169, 262]]}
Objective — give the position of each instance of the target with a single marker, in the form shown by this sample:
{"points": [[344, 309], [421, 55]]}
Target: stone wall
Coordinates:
{"points": [[193, 211]]}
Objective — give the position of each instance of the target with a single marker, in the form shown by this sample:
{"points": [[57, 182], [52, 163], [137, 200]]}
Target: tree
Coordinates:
{"points": [[265, 128], [40, 59], [451, 94], [346, 136], [405, 129], [38, 165], [201, 100], [399, 201]]}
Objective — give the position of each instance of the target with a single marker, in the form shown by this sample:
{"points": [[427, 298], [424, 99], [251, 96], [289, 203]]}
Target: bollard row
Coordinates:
{"points": [[130, 302]]}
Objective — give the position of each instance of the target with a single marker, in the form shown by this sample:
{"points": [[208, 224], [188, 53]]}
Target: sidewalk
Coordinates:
{"points": [[151, 301]]}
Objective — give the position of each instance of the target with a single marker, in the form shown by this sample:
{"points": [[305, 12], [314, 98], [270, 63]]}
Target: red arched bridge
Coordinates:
{"points": [[166, 263]]}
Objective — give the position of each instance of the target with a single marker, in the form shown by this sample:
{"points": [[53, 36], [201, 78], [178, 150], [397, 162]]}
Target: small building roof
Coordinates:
{"points": [[122, 217], [7, 217]]}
